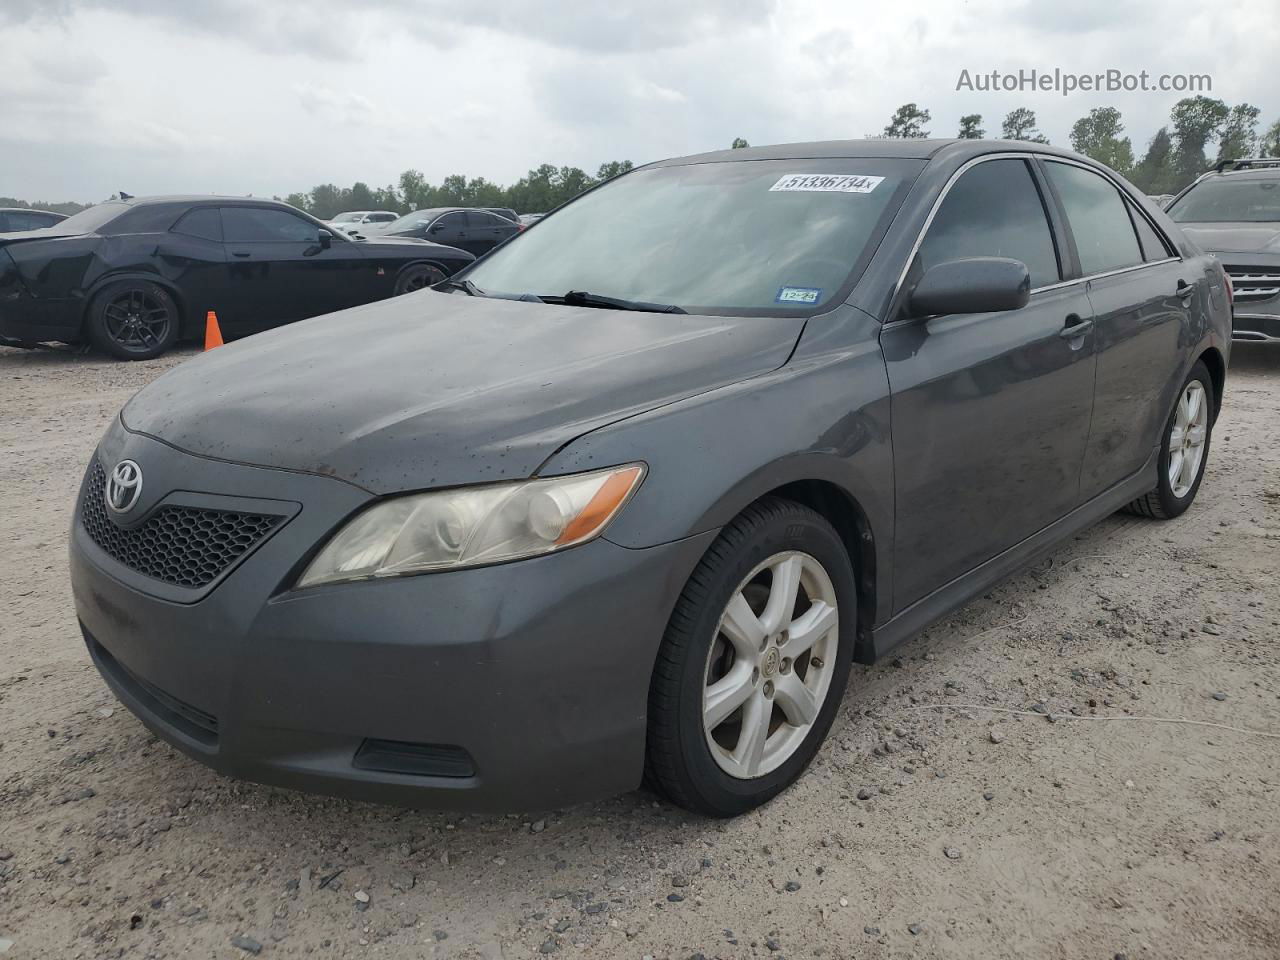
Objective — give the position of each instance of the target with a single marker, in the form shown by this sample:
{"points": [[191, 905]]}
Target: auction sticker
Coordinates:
{"points": [[801, 295], [826, 183]]}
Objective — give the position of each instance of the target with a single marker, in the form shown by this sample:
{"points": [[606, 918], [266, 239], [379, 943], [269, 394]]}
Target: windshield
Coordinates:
{"points": [[1229, 201], [755, 236], [87, 221]]}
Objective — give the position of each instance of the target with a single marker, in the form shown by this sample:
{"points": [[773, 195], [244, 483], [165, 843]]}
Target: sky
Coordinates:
{"points": [[269, 97]]}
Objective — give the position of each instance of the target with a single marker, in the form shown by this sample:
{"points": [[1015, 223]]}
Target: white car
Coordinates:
{"points": [[353, 221]]}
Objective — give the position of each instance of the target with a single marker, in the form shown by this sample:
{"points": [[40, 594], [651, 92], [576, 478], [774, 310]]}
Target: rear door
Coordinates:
{"points": [[489, 230], [1141, 294], [990, 411]]}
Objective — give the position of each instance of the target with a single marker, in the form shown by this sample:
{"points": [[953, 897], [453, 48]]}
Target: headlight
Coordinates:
{"points": [[450, 529]]}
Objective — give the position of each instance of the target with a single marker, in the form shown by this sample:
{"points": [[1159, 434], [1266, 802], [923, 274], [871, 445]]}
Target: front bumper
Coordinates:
{"points": [[514, 687], [1256, 281]]}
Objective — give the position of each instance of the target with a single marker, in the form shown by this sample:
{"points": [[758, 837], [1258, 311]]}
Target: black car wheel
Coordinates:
{"points": [[133, 320], [418, 276], [1184, 451], [754, 662]]}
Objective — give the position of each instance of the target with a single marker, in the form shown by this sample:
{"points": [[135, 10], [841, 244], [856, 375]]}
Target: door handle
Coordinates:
{"points": [[239, 253], [1185, 290], [1075, 327]]}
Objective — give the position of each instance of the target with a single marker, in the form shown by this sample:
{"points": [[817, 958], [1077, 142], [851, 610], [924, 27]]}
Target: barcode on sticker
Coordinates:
{"points": [[826, 183]]}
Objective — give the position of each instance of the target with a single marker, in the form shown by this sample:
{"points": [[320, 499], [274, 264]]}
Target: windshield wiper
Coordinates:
{"points": [[466, 286], [581, 298], [471, 290]]}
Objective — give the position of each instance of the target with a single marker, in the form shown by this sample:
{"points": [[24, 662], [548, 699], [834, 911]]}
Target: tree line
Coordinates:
{"points": [[538, 191], [1175, 155]]}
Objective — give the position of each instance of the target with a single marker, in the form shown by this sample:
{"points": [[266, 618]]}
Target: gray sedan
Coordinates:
{"points": [[617, 502]]}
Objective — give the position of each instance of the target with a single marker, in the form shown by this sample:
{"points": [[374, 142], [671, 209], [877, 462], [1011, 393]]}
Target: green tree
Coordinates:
{"points": [[614, 168], [300, 200], [413, 188], [1196, 121], [970, 128], [1020, 124], [1270, 145], [1098, 136], [1155, 173], [738, 143], [1239, 134], [908, 122]]}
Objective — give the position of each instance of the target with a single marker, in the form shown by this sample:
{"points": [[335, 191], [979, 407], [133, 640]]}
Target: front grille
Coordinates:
{"points": [[1254, 283], [183, 546]]}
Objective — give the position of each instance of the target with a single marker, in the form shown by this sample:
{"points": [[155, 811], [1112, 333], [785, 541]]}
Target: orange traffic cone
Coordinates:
{"points": [[212, 332]]}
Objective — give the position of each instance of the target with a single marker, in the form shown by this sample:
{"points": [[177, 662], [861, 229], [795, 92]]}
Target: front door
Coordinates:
{"points": [[990, 411]]}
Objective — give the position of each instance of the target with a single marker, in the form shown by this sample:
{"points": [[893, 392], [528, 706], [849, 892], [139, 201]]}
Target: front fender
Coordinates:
{"points": [[824, 416]]}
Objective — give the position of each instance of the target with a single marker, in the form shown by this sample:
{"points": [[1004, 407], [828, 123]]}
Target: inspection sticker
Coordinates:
{"points": [[798, 295], [826, 183]]}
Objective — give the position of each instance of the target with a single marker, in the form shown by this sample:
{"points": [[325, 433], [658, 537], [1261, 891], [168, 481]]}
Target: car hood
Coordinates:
{"points": [[1235, 237], [434, 389]]}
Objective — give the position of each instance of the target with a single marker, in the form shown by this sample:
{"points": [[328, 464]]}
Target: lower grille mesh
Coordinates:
{"points": [[183, 546]]}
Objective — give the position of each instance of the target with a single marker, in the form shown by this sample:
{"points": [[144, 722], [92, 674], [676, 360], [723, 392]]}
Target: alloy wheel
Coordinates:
{"points": [[137, 320], [769, 669], [1187, 438]]}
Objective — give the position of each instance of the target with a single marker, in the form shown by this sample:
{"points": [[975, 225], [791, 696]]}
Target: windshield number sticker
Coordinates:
{"points": [[801, 295], [825, 183]]}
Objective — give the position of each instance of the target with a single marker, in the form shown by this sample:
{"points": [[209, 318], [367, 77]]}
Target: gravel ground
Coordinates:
{"points": [[931, 825]]}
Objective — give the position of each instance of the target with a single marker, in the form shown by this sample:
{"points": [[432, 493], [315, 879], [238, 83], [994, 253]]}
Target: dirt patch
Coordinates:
{"points": [[921, 831]]}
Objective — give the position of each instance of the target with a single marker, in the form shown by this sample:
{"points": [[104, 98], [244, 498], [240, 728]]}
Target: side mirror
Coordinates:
{"points": [[325, 239], [436, 228], [972, 285]]}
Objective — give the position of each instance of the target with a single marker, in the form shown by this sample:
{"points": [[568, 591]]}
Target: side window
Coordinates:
{"points": [[1153, 247], [994, 210], [21, 220], [450, 221], [203, 222], [381, 218], [261, 225], [1104, 234]]}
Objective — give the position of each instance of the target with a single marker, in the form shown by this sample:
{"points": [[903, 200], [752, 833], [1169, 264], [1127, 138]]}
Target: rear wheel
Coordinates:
{"points": [[754, 662], [1184, 451], [133, 320], [418, 276]]}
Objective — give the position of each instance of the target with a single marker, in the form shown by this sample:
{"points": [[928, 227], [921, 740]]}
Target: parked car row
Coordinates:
{"points": [[135, 276]]}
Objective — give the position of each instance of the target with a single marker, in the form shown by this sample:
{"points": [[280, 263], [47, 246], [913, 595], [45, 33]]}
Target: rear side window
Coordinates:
{"points": [[994, 210], [261, 225], [1153, 247], [24, 220], [1105, 239], [203, 222], [380, 217]]}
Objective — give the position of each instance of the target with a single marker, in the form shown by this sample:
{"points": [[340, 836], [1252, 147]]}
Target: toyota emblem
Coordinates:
{"points": [[124, 487]]}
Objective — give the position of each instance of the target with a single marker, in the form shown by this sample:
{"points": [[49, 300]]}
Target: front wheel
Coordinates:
{"points": [[1184, 451], [754, 661], [417, 276]]}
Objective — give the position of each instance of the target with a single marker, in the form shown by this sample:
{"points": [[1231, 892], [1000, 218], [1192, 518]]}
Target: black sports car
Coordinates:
{"points": [[135, 276]]}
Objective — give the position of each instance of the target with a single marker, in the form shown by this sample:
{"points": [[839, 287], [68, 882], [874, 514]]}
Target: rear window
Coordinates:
{"points": [[87, 221], [1224, 200]]}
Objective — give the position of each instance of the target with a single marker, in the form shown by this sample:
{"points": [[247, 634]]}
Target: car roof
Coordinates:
{"points": [[874, 147], [1252, 173], [52, 213], [191, 198]]}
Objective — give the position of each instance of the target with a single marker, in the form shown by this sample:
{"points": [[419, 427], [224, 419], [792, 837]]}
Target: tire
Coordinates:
{"points": [[1171, 498], [712, 772], [417, 276], [133, 320]]}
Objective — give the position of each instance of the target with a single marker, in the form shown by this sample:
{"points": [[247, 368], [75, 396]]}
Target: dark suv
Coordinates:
{"points": [[1234, 212]]}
